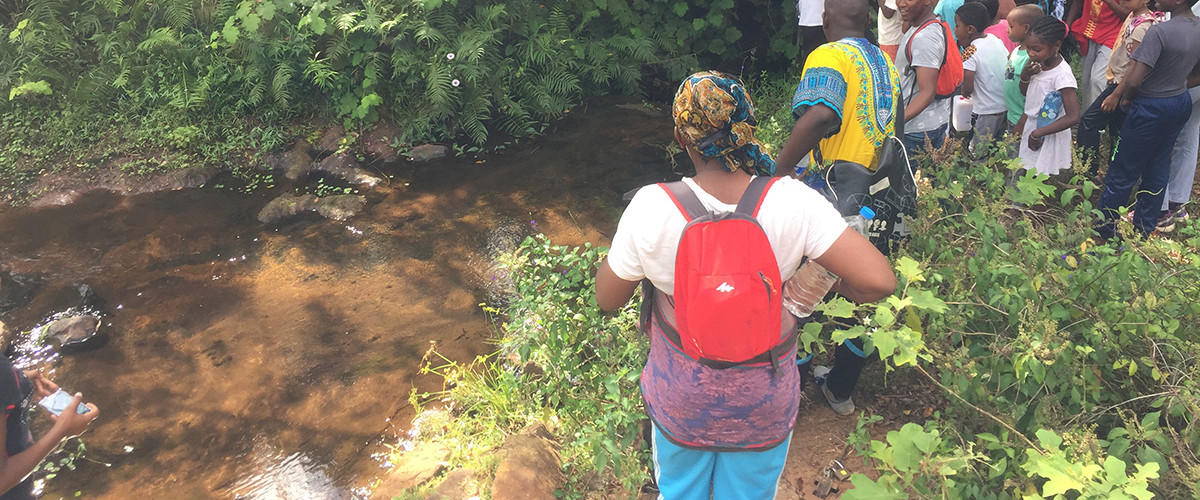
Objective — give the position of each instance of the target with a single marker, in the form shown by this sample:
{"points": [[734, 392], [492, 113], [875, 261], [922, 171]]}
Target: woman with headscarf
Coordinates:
{"points": [[724, 433]]}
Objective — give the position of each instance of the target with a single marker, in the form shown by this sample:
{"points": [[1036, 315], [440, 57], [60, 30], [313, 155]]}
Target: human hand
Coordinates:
{"points": [[1110, 103], [1036, 141], [1031, 69], [70, 422], [41, 385]]}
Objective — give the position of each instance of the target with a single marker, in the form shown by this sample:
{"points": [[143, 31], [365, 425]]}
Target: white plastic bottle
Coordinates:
{"points": [[812, 281]]}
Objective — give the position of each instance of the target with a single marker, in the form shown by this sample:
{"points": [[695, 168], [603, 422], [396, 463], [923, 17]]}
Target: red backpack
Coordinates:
{"points": [[950, 75], [728, 292]]}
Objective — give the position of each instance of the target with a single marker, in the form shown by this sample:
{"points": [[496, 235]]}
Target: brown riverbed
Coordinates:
{"points": [[246, 361]]}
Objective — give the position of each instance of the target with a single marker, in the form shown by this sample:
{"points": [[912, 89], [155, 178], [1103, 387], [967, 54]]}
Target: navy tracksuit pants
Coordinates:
{"points": [[1143, 154]]}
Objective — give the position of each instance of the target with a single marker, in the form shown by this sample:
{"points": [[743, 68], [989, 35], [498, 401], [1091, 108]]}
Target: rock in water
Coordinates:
{"points": [[286, 206], [340, 207], [72, 330], [337, 207], [426, 152], [346, 167]]}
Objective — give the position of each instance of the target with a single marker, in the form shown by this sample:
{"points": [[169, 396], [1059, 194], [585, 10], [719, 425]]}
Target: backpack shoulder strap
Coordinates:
{"points": [[685, 199], [755, 193], [908, 47]]}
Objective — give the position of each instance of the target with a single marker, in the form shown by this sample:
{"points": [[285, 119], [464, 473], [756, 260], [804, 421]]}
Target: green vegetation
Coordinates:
{"points": [[1070, 365], [150, 86]]}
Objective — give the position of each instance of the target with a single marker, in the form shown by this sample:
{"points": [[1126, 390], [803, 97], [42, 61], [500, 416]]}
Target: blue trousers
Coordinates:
{"points": [[1143, 154], [915, 142], [686, 474]]}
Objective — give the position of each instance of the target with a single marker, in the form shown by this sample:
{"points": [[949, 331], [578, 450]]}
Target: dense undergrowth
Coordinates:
{"points": [[170, 83], [1070, 364]]}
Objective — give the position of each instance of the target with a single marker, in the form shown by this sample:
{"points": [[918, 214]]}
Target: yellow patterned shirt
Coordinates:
{"points": [[860, 83]]}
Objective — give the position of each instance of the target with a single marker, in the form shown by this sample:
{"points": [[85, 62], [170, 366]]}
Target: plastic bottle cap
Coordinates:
{"points": [[867, 213]]}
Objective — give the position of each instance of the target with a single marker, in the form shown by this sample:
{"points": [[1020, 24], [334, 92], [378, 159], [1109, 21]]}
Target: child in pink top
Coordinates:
{"points": [[999, 25]]}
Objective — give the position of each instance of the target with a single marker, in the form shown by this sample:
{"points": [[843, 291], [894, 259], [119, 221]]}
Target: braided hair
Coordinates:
{"points": [[1049, 29]]}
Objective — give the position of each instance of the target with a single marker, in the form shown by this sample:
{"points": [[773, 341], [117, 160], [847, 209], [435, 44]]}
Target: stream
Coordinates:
{"points": [[271, 362]]}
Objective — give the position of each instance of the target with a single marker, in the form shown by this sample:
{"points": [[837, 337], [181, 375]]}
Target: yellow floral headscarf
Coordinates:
{"points": [[715, 115]]}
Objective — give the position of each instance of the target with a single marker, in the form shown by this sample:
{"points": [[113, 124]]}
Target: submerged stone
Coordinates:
{"points": [[336, 207]]}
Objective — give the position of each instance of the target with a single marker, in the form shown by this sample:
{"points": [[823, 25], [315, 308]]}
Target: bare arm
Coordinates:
{"points": [[887, 13], [1075, 13], [968, 84], [865, 273], [1134, 76], [926, 92], [16, 468], [1117, 9], [1194, 77], [810, 128], [1069, 119], [612, 292]]}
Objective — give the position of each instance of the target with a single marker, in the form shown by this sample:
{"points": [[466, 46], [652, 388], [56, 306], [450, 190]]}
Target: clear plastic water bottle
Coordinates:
{"points": [[1052, 108], [812, 281]]}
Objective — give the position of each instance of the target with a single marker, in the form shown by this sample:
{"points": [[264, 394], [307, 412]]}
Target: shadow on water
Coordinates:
{"points": [[258, 362]]}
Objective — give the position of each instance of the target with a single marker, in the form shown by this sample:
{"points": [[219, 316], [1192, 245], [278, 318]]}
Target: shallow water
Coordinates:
{"points": [[245, 361]]}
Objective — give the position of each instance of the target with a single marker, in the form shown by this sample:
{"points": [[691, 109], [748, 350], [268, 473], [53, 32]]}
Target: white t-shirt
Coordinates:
{"points": [[1196, 8], [1055, 154], [989, 63], [798, 222], [890, 30], [810, 12], [928, 51]]}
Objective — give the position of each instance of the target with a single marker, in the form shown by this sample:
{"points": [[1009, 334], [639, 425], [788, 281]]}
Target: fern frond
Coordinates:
{"points": [[179, 13], [162, 37], [281, 85]]}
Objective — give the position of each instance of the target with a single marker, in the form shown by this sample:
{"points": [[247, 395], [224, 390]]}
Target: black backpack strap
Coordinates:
{"points": [[685, 199]]}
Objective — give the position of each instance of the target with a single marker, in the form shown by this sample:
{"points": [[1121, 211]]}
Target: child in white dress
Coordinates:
{"points": [[1051, 101]]}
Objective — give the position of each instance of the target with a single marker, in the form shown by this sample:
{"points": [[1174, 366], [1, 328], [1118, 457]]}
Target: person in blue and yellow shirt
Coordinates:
{"points": [[847, 99]]}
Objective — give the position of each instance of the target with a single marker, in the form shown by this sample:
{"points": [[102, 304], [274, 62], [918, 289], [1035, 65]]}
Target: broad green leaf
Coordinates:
{"points": [[251, 23], [866, 489], [230, 31], [266, 10], [910, 269], [924, 299], [837, 308]]}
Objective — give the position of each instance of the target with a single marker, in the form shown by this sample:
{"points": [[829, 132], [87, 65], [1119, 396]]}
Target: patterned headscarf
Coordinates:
{"points": [[715, 115]]}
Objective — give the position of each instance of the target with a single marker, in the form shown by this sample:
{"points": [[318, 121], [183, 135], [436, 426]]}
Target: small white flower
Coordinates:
{"points": [[450, 56], [454, 82]]}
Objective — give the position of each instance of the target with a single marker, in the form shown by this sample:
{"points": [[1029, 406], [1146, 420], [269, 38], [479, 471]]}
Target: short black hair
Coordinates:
{"points": [[1049, 28], [993, 7], [974, 14]]}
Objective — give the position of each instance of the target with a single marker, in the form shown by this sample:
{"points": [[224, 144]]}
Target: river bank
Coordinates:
{"points": [[249, 359]]}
